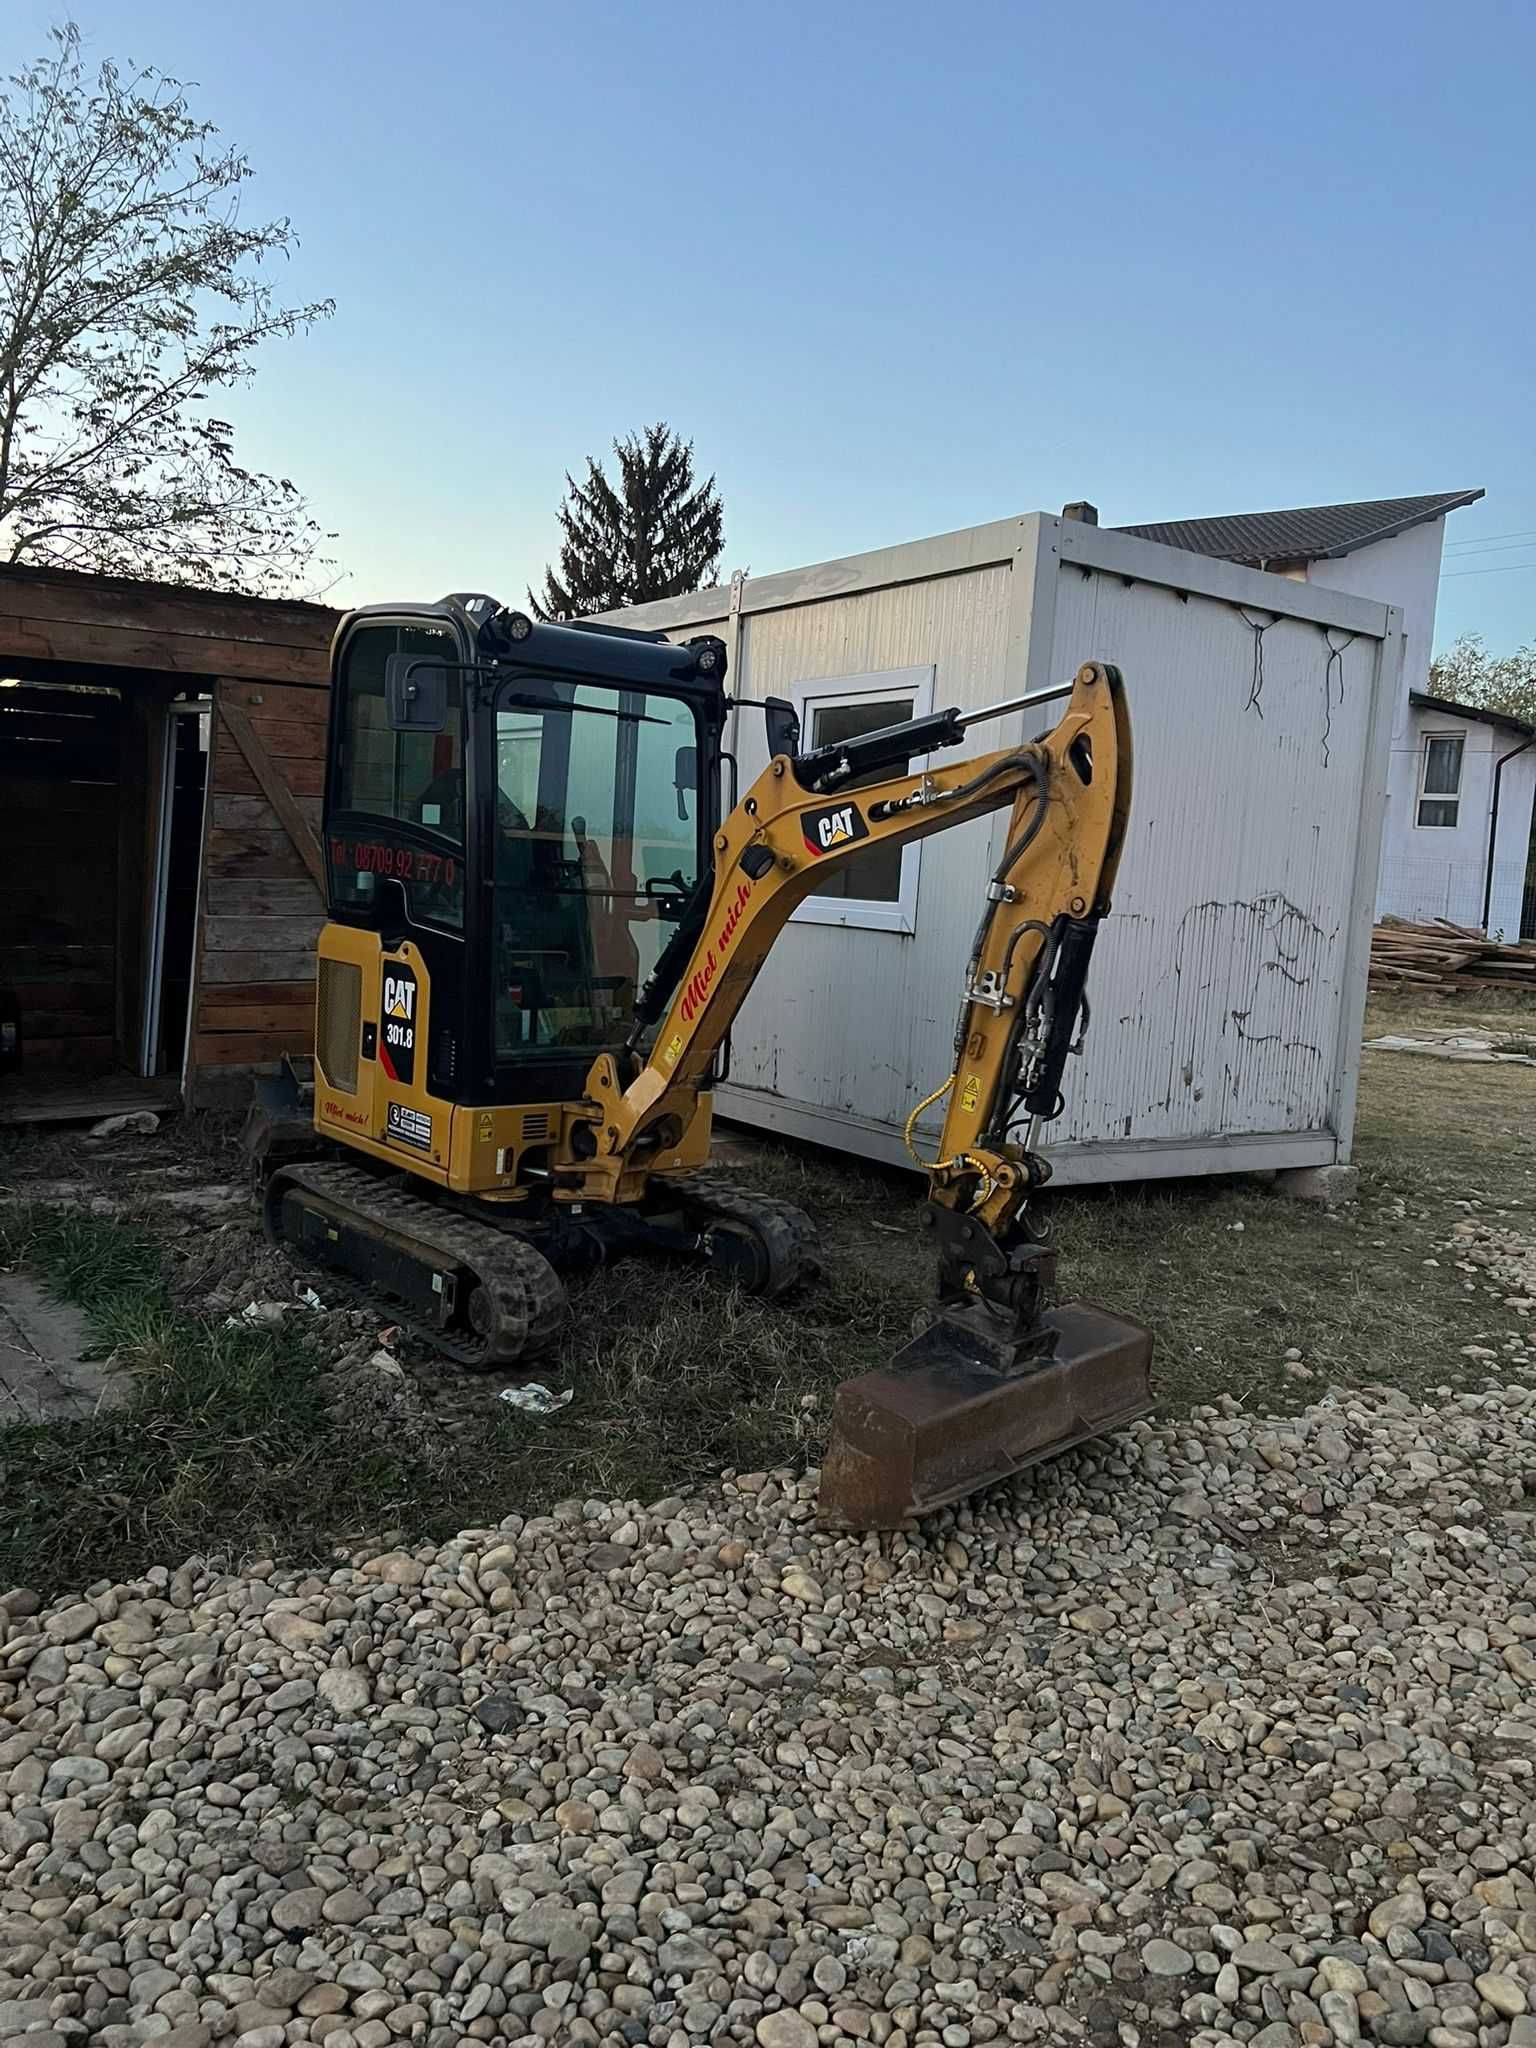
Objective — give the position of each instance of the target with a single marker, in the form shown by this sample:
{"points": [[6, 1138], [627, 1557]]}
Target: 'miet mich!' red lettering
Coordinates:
{"points": [[702, 976]]}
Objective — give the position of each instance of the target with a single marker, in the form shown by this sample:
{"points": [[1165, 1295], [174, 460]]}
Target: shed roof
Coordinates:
{"points": [[63, 617], [1505, 720], [1310, 533], [193, 595]]}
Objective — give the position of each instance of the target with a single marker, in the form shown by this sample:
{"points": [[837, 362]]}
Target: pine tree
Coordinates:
{"points": [[654, 533]]}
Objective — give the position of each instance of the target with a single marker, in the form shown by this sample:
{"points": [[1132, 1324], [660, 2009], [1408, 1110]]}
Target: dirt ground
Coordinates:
{"points": [[283, 1429]]}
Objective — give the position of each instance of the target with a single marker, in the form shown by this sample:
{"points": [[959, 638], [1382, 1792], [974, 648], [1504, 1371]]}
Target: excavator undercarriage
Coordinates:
{"points": [[487, 1291], [532, 967]]}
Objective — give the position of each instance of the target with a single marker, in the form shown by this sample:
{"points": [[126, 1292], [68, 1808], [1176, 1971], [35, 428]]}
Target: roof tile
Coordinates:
{"points": [[1310, 533]]}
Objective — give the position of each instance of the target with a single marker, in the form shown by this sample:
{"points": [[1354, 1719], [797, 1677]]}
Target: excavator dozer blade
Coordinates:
{"points": [[942, 1421]]}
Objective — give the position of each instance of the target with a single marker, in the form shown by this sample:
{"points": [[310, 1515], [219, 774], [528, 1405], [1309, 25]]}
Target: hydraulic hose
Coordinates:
{"points": [[931, 1166], [1011, 857]]}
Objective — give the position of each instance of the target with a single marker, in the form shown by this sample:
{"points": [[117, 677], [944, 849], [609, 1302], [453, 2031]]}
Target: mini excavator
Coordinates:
{"points": [[541, 927]]}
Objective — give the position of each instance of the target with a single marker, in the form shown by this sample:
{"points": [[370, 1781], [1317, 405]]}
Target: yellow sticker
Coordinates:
{"points": [[485, 1129], [970, 1094], [672, 1051]]}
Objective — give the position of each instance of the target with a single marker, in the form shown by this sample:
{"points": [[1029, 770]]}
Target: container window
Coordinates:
{"points": [[877, 889], [1440, 778]]}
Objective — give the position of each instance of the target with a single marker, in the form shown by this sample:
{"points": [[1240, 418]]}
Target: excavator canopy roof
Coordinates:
{"points": [[599, 653]]}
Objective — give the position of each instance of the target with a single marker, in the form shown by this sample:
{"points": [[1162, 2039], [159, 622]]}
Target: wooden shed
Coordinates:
{"points": [[161, 755]]}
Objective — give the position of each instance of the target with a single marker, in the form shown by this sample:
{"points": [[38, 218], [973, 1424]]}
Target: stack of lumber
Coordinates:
{"points": [[1446, 955]]}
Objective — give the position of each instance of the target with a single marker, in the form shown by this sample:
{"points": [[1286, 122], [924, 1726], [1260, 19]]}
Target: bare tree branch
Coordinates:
{"points": [[130, 293]]}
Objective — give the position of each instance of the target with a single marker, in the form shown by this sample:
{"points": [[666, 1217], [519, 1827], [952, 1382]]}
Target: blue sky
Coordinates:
{"points": [[894, 269]]}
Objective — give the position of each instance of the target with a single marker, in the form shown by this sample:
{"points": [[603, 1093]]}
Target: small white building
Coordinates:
{"points": [[1460, 787], [1229, 984], [1458, 824]]}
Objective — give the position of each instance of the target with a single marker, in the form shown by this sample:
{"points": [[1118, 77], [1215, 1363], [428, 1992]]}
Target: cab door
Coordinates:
{"points": [[396, 845]]}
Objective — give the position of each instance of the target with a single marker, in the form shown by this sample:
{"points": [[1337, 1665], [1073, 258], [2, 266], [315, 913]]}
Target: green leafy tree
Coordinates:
{"points": [[652, 532], [1468, 674], [130, 293]]}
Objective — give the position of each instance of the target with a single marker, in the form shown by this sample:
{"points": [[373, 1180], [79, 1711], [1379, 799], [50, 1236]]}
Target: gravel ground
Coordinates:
{"points": [[1223, 1732]]}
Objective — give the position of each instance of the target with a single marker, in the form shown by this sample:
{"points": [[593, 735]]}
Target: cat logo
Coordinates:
{"points": [[397, 1033], [826, 831]]}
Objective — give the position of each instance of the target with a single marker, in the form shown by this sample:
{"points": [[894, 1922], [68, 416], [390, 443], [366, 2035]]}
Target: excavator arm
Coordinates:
{"points": [[999, 1378], [1023, 982]]}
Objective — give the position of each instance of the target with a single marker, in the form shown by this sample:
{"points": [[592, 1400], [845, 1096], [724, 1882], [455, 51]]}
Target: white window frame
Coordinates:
{"points": [[853, 912], [1439, 796]]}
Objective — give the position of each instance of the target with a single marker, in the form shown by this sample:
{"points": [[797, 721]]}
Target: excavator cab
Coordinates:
{"points": [[530, 817]]}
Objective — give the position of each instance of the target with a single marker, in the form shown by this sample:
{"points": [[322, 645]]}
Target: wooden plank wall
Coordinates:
{"points": [[60, 804], [261, 909]]}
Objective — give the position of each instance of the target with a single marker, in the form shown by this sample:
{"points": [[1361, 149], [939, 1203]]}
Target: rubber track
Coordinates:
{"points": [[786, 1232], [523, 1286]]}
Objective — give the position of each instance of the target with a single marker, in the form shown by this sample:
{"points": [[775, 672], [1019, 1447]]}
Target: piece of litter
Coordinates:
{"points": [[536, 1399], [389, 1338], [136, 1123], [382, 1361], [309, 1298], [257, 1315]]}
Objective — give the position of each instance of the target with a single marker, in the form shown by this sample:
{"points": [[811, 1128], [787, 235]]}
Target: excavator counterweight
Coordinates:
{"points": [[541, 929]]}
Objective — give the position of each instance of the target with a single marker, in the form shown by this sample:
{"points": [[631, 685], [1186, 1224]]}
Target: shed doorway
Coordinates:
{"points": [[175, 881], [61, 759], [102, 789]]}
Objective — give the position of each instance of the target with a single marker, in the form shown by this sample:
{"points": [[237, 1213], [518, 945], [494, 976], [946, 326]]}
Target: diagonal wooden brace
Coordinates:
{"points": [[275, 789]]}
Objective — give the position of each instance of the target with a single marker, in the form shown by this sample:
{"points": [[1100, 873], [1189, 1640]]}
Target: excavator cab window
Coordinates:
{"points": [[397, 811], [590, 853]]}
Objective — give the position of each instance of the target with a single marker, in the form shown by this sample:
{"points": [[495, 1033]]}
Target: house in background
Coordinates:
{"points": [[1458, 825], [1461, 781]]}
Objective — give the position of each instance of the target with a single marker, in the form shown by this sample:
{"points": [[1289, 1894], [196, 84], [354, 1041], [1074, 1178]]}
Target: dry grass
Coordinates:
{"points": [[231, 1447], [1427, 1009], [1229, 1275]]}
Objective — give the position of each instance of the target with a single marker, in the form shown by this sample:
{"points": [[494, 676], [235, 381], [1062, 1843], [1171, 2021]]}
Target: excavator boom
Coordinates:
{"points": [[1000, 1378]]}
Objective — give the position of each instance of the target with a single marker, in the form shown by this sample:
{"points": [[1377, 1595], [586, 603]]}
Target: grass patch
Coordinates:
{"points": [[224, 1444], [1229, 1275], [679, 1378], [234, 1445]]}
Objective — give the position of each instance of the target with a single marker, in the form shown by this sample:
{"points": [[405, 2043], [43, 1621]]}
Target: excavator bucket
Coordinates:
{"points": [[944, 1419]]}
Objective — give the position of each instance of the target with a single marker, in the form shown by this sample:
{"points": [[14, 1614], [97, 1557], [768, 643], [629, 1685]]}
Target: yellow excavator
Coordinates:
{"points": [[541, 927]]}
